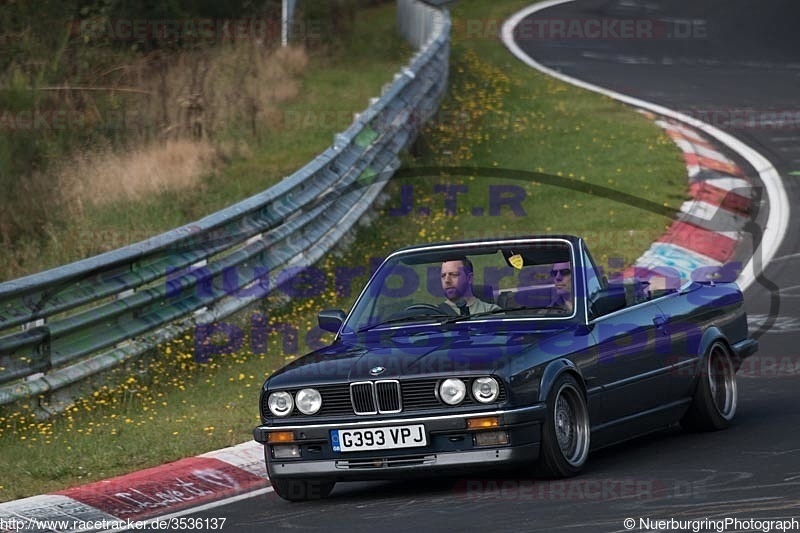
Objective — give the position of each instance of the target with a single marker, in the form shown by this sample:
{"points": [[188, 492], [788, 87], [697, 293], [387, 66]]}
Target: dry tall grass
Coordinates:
{"points": [[200, 95], [107, 176], [178, 118], [203, 93]]}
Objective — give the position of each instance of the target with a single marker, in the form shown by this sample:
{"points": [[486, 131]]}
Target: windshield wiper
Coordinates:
{"points": [[454, 319], [427, 316]]}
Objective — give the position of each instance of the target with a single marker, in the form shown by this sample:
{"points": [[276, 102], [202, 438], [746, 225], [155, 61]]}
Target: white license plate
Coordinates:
{"points": [[387, 438]]}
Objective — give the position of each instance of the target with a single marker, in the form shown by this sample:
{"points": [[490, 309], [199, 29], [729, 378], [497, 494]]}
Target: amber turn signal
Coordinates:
{"points": [[280, 436], [483, 423]]}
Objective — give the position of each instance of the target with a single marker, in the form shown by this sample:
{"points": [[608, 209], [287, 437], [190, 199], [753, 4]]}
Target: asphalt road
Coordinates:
{"points": [[733, 57]]}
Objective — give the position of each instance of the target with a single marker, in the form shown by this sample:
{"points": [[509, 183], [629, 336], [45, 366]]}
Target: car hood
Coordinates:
{"points": [[422, 352]]}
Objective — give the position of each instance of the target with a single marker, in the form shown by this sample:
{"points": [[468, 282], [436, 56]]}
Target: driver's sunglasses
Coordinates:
{"points": [[562, 271]]}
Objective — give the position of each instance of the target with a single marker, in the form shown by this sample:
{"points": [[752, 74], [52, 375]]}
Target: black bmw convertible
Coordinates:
{"points": [[518, 351]]}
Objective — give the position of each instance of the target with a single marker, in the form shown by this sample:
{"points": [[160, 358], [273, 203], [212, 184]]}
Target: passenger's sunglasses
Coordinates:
{"points": [[562, 271]]}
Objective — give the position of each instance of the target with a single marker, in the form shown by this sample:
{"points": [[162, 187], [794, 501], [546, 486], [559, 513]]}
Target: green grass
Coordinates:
{"points": [[536, 124], [498, 114]]}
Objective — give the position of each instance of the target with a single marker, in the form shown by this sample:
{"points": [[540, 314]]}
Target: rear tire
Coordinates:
{"points": [[300, 490], [566, 431], [715, 399]]}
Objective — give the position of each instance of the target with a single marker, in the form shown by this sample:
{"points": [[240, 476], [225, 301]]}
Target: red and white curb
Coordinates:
{"points": [[129, 500], [710, 226]]}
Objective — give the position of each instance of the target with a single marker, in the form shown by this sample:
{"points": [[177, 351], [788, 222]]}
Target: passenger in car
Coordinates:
{"points": [[561, 274], [457, 276]]}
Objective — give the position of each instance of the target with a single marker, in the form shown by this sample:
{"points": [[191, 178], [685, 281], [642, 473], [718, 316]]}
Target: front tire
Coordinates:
{"points": [[716, 397], [300, 490], [566, 432]]}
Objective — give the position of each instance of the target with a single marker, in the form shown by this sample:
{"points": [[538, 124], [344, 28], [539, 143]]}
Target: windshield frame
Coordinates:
{"points": [[467, 248]]}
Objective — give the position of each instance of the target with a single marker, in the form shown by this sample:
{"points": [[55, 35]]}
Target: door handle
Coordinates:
{"points": [[660, 322]]}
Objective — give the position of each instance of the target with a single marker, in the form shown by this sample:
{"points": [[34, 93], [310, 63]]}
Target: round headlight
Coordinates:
{"points": [[308, 401], [485, 390], [452, 391], [280, 403]]}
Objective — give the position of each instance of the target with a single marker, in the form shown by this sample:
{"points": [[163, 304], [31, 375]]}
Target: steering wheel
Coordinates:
{"points": [[427, 309], [438, 309]]}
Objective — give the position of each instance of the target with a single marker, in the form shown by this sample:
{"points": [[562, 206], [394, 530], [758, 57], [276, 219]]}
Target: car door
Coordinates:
{"points": [[678, 342], [631, 375]]}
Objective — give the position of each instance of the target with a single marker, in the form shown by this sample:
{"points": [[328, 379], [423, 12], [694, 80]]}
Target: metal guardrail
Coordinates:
{"points": [[61, 327]]}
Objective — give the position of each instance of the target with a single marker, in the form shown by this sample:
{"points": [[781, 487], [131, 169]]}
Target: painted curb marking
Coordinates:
{"points": [[711, 225], [778, 217], [186, 485], [147, 493]]}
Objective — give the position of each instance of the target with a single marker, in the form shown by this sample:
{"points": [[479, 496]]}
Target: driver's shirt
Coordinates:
{"points": [[476, 306]]}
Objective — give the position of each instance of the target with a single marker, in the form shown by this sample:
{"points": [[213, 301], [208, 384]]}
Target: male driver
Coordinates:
{"points": [[456, 278], [561, 273]]}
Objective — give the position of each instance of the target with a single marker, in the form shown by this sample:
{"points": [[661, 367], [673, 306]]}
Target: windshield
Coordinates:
{"points": [[445, 284]]}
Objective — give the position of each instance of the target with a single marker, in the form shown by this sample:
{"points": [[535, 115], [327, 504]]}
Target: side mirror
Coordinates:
{"points": [[331, 319], [609, 300]]}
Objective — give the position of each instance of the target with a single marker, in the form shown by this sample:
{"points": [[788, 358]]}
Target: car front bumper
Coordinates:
{"points": [[451, 447]]}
